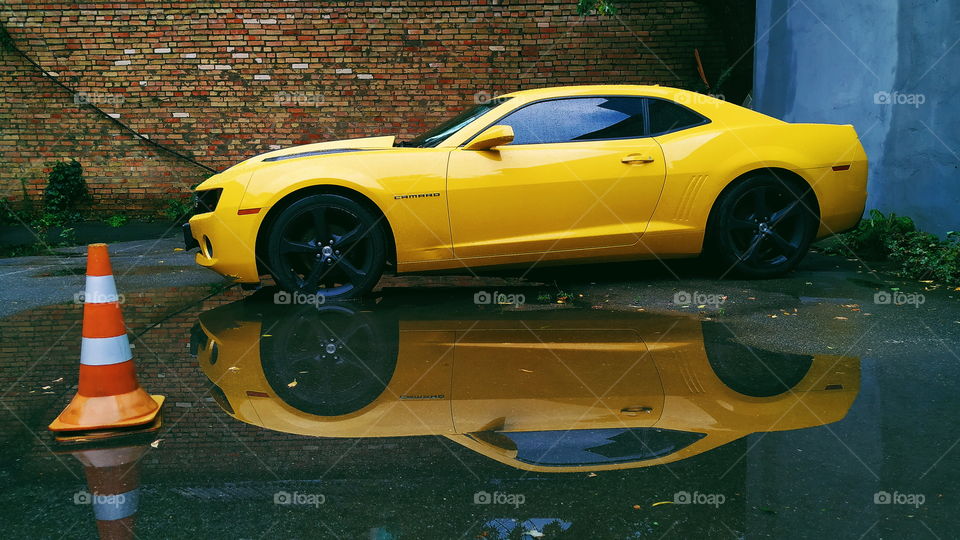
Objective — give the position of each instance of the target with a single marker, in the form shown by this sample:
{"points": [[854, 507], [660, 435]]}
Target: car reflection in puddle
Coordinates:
{"points": [[545, 391]]}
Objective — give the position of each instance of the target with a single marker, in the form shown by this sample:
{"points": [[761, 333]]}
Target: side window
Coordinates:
{"points": [[668, 116], [577, 119]]}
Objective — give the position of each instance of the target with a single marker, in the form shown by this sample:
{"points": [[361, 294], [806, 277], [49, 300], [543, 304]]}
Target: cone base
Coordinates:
{"points": [[102, 438], [108, 412]]}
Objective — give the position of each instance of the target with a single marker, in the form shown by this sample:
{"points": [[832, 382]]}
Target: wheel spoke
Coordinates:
{"points": [[290, 246], [353, 273], [320, 228], [738, 223], [777, 216], [348, 238], [312, 279], [751, 250], [785, 247]]}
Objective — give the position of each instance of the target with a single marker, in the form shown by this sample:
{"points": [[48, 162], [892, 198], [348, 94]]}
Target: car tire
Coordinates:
{"points": [[327, 245], [761, 227]]}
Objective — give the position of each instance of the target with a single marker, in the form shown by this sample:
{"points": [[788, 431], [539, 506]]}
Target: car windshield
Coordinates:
{"points": [[440, 133]]}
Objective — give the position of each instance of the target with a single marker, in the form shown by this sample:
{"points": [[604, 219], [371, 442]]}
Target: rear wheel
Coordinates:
{"points": [[761, 228], [328, 245]]}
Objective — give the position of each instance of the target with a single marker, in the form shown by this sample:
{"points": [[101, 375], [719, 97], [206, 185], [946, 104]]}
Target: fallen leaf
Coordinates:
{"points": [[292, 384], [661, 502], [156, 443], [233, 368], [591, 475], [267, 335], [636, 507], [178, 249], [526, 370], [534, 533], [840, 318]]}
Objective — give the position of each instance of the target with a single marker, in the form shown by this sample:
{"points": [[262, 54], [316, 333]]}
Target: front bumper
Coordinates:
{"points": [[227, 243], [189, 242]]}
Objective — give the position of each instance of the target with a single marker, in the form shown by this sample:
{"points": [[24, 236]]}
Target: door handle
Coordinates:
{"points": [[637, 158]]}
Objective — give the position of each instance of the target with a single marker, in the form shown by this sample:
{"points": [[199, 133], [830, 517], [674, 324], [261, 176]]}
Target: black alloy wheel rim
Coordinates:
{"points": [[324, 362], [327, 250], [767, 226]]}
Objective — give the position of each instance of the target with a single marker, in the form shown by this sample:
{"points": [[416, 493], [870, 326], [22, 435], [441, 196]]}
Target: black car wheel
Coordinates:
{"points": [[762, 227], [328, 245]]}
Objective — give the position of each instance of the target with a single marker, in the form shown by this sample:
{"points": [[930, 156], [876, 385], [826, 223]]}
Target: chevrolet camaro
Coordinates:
{"points": [[546, 176]]}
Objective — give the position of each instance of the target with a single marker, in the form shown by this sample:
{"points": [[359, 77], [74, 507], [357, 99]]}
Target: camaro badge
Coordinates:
{"points": [[417, 195]]}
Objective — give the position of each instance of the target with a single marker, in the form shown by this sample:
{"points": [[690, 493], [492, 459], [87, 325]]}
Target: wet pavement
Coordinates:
{"points": [[624, 401]]}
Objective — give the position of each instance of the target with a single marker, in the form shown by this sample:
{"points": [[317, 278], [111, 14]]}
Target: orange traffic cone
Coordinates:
{"points": [[108, 396], [113, 478]]}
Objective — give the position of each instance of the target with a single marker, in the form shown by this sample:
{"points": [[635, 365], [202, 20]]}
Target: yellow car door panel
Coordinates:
{"points": [[579, 174]]}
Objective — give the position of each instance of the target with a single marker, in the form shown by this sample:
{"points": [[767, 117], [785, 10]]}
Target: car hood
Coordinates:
{"points": [[363, 143]]}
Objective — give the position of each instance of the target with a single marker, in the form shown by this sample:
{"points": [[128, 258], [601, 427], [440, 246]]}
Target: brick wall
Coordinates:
{"points": [[218, 82]]}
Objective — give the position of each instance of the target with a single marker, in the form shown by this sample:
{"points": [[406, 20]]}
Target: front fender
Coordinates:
{"points": [[407, 185]]}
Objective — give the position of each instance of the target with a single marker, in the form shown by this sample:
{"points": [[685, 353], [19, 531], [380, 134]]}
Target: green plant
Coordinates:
{"points": [[874, 236], [117, 220], [65, 189], [893, 238], [178, 210]]}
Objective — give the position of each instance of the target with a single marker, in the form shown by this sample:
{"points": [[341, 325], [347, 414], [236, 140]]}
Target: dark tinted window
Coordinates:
{"points": [[577, 119], [666, 116], [595, 446]]}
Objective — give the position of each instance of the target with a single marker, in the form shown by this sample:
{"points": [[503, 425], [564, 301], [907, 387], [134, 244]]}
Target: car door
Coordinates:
{"points": [[580, 174], [573, 375]]}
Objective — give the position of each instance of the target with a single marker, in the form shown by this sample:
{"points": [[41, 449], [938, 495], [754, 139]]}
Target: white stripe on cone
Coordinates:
{"points": [[114, 507], [105, 351], [100, 290]]}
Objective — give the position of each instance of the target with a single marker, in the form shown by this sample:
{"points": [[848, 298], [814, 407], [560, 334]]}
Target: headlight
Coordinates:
{"points": [[206, 200]]}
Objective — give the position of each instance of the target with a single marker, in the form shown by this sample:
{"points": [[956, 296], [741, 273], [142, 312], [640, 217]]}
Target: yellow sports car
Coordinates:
{"points": [[548, 391], [571, 174]]}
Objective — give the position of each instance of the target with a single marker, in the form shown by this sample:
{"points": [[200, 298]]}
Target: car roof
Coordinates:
{"points": [[602, 89]]}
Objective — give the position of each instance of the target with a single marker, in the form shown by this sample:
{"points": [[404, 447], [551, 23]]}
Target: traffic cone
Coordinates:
{"points": [[108, 397], [113, 478]]}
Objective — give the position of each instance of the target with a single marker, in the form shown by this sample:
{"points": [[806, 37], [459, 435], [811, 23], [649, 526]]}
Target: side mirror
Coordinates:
{"points": [[491, 137]]}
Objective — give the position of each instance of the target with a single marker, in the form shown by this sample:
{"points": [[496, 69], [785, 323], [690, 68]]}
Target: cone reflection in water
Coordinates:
{"points": [[108, 395], [113, 478]]}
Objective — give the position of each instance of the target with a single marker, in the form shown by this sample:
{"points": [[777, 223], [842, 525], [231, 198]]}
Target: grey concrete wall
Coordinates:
{"points": [[889, 67]]}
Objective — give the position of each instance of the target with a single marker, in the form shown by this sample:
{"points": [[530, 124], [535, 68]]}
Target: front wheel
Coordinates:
{"points": [[761, 228], [327, 245]]}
